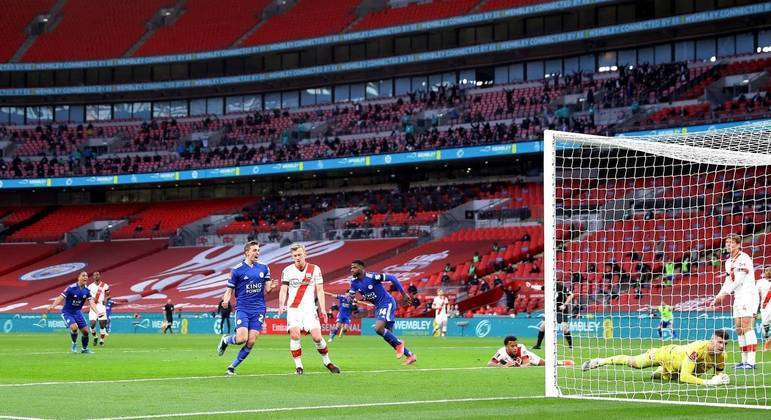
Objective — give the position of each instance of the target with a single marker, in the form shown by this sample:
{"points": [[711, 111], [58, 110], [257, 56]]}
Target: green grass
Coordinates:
{"points": [[143, 375]]}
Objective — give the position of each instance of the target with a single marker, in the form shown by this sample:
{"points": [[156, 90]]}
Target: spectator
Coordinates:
{"points": [[412, 289]]}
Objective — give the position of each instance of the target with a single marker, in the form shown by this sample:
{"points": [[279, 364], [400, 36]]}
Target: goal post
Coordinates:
{"points": [[635, 227]]}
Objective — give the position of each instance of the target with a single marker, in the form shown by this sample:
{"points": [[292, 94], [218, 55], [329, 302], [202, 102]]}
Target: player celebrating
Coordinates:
{"points": [[302, 283], [740, 280], [564, 298], [440, 312], [344, 307], [74, 296], [250, 280], [764, 293], [100, 292], [667, 317], [513, 354], [370, 287], [678, 362]]}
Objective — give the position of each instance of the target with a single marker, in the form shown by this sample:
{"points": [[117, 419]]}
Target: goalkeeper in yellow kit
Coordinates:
{"points": [[678, 362]]}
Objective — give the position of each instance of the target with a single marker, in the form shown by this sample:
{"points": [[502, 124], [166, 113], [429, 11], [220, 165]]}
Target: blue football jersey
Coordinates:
{"points": [[74, 297], [344, 305], [248, 283], [371, 288]]}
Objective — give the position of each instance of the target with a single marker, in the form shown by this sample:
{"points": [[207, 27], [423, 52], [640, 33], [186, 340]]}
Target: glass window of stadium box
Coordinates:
{"points": [[290, 99], [420, 83], [234, 104], [745, 43], [372, 89], [122, 111], [98, 112], [627, 58], [587, 63], [5, 115], [342, 93], [645, 55], [178, 109], [357, 92], [764, 39], [402, 86], [197, 107], [553, 67], [16, 115], [663, 54], [467, 78], [534, 70], [606, 60], [161, 110], [141, 110], [685, 51], [272, 100], [61, 113], [570, 65], [726, 46], [705, 49]]}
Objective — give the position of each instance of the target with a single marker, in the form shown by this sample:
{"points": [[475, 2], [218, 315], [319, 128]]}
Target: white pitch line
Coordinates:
{"points": [[324, 407], [118, 350], [256, 375], [20, 418]]}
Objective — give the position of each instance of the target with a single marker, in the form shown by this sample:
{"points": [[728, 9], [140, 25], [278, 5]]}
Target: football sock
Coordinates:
{"points": [[242, 354], [321, 346], [297, 352], [541, 334], [390, 338], [569, 338], [74, 337], [84, 341]]}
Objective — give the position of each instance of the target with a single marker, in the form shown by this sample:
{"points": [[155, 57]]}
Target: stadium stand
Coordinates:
{"points": [[93, 30], [391, 16], [17, 15], [205, 26], [308, 19]]}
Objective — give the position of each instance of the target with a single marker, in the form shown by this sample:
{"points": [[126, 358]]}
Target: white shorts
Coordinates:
{"points": [[441, 320], [745, 306], [305, 320], [534, 359], [99, 314]]}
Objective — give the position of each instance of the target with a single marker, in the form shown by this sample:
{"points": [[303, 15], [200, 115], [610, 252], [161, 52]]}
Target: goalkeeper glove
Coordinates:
{"points": [[719, 379]]}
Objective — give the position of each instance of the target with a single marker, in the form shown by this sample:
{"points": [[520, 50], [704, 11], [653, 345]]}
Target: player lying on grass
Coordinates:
{"points": [[513, 354], [678, 362]]}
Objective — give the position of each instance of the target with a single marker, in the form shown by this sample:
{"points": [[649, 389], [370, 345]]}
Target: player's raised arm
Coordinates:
{"points": [[57, 301]]}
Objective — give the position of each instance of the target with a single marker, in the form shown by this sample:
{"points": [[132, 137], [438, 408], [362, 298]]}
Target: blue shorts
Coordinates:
{"points": [[250, 320], [344, 319], [386, 313], [74, 318]]}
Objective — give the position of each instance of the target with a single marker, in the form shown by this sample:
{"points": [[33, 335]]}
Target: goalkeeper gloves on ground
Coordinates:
{"points": [[719, 379]]}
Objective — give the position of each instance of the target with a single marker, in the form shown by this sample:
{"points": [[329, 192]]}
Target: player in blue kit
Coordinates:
{"points": [[74, 296], [250, 280], [344, 306], [370, 287]]}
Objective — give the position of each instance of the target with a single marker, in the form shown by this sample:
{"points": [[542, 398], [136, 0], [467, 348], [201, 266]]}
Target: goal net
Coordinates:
{"points": [[636, 226]]}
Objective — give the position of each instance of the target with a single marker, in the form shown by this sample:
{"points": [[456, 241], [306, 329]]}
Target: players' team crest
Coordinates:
{"points": [[369, 287], [238, 322], [262, 274], [53, 271]]}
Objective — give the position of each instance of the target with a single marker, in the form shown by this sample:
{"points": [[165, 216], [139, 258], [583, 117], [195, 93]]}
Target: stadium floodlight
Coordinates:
{"points": [[635, 224]]}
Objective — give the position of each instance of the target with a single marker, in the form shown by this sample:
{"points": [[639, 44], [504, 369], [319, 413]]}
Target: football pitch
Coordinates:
{"points": [[149, 375]]}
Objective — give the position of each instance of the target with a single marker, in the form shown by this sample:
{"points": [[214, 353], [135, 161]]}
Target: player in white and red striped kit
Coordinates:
{"points": [[513, 354], [764, 292], [100, 291], [740, 280], [303, 285]]}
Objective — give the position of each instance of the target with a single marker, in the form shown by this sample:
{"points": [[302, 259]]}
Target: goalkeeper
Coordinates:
{"points": [[678, 362]]}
